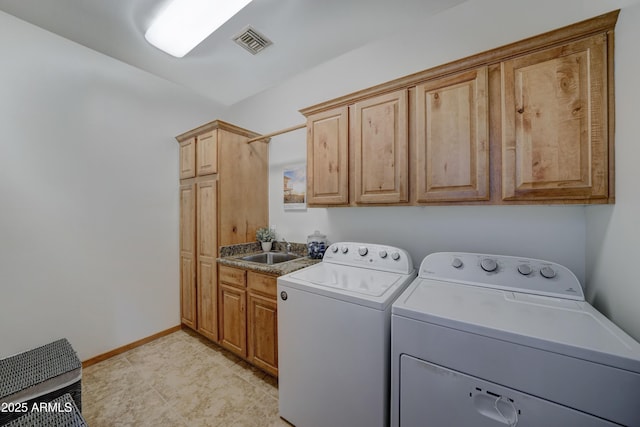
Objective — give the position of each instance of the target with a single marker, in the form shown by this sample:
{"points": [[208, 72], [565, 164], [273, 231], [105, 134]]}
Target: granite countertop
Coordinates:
{"points": [[232, 256]]}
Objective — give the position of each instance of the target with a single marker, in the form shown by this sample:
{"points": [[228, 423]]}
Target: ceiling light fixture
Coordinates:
{"points": [[184, 24]]}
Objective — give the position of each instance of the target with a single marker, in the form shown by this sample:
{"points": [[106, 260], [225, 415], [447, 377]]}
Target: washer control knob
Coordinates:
{"points": [[345, 249], [383, 254], [362, 250], [524, 269], [456, 263], [489, 264], [395, 256], [548, 272], [334, 249]]}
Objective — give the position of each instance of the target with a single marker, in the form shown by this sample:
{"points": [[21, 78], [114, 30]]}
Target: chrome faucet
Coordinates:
{"points": [[287, 245]]}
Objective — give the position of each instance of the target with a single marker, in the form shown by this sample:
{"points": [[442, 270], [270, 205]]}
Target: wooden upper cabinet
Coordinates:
{"points": [[452, 138], [188, 158], [530, 122], [199, 155], [243, 189], [207, 153], [327, 157], [554, 123], [380, 141]]}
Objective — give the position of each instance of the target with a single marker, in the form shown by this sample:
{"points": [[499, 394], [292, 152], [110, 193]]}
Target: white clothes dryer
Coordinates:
{"points": [[334, 336], [486, 340]]}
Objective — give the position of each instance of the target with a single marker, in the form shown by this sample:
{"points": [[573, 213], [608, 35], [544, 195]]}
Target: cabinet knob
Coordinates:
{"points": [[520, 110]]}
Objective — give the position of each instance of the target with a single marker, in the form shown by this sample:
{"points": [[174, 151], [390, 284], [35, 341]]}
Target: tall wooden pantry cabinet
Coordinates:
{"points": [[223, 201]]}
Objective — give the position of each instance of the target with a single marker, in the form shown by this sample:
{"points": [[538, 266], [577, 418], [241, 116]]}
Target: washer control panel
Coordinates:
{"points": [[527, 275], [369, 255]]}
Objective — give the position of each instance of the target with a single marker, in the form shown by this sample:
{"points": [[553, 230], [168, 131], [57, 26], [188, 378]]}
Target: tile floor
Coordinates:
{"points": [[178, 380]]}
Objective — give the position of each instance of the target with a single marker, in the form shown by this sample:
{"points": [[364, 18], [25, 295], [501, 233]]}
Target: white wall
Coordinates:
{"points": [[556, 233], [613, 236], [88, 194]]}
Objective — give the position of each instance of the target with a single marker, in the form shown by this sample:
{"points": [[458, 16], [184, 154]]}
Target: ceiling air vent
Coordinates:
{"points": [[252, 40]]}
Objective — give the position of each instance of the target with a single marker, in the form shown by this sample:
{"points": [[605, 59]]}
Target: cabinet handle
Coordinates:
{"points": [[520, 110]]}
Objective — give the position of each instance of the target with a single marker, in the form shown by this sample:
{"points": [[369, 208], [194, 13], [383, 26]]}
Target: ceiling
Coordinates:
{"points": [[305, 33]]}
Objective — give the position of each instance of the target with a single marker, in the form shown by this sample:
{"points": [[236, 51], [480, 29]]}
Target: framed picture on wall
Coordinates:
{"points": [[295, 187]]}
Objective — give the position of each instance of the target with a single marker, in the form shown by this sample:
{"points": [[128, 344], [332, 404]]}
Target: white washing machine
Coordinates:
{"points": [[334, 333], [485, 340]]}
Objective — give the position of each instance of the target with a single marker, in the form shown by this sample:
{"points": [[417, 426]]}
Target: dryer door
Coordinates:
{"points": [[439, 397]]}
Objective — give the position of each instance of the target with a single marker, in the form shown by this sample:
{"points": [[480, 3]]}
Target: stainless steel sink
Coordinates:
{"points": [[271, 257]]}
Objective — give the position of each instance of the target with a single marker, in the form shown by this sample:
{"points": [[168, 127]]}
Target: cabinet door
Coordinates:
{"points": [[207, 153], [381, 149], [554, 123], [188, 158], [187, 255], [327, 157], [207, 277], [263, 332], [233, 319], [243, 188], [452, 137]]}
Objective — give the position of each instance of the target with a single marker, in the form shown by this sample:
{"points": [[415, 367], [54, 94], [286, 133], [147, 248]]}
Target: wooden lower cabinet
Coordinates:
{"points": [[248, 316], [187, 291], [232, 301], [233, 320], [207, 298], [262, 322]]}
